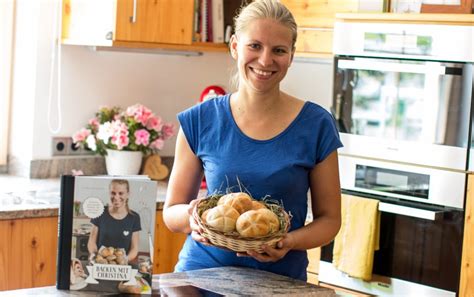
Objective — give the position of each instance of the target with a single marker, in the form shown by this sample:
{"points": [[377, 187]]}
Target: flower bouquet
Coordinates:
{"points": [[135, 129]]}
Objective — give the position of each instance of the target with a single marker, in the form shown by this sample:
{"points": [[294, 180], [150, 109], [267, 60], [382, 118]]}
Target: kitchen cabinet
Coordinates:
{"points": [[28, 252], [163, 24], [466, 286], [167, 246], [314, 255], [315, 20]]}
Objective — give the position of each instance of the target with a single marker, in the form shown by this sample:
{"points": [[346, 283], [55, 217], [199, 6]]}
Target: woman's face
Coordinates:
{"points": [[118, 195], [263, 52]]}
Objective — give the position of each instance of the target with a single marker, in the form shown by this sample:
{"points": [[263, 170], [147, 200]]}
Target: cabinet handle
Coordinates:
{"points": [[133, 18]]}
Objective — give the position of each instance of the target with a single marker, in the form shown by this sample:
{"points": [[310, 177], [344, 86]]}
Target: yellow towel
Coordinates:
{"points": [[358, 237]]}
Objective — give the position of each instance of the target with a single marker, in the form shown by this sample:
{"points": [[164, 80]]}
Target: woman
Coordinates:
{"points": [[118, 226], [275, 144]]}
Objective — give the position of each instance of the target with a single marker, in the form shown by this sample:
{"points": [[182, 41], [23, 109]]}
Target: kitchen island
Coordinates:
{"points": [[227, 281]]}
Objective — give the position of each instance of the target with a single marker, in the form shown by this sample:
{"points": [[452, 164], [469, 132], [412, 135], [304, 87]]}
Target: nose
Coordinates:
{"points": [[266, 58]]}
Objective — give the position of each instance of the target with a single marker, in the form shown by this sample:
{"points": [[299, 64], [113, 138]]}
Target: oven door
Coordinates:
{"points": [[384, 106], [420, 253]]}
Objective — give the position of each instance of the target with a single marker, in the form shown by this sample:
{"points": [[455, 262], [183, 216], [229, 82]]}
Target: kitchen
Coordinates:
{"points": [[92, 77]]}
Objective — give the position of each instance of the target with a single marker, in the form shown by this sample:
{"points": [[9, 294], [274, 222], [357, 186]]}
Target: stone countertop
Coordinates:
{"points": [[227, 281], [22, 197], [31, 198]]}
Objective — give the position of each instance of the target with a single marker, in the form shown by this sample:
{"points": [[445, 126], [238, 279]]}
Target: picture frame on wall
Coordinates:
{"points": [[443, 6]]}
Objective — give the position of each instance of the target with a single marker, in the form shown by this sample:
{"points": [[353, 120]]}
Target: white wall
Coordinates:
{"points": [[89, 79]]}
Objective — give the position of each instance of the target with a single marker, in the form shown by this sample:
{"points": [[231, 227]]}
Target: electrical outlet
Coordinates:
{"points": [[61, 146], [65, 146], [73, 150]]}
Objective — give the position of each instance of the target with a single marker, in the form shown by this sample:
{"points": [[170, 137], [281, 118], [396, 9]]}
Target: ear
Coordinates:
{"points": [[233, 46]]}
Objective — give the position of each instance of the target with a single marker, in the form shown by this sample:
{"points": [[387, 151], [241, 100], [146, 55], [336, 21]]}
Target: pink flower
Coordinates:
{"points": [[120, 134], [94, 123], [154, 123], [139, 112], [81, 135], [142, 136], [168, 131], [157, 144]]}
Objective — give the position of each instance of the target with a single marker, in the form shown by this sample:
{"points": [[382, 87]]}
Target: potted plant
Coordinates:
{"points": [[124, 136]]}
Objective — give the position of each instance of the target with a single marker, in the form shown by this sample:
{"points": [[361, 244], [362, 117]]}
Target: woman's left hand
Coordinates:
{"points": [[272, 254]]}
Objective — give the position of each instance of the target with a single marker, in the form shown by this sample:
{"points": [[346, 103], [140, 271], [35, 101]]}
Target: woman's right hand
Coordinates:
{"points": [[196, 231]]}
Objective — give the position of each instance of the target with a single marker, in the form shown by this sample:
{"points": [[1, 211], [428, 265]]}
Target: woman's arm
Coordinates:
{"points": [[92, 242], [183, 186], [326, 206], [133, 252]]}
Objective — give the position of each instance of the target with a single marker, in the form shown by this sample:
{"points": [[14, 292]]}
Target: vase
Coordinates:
{"points": [[123, 162]]}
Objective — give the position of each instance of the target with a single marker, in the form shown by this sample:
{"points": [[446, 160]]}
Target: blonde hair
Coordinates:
{"points": [[263, 9]]}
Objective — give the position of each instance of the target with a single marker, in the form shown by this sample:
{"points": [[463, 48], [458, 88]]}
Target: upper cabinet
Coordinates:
{"points": [[166, 24], [158, 21], [315, 19]]}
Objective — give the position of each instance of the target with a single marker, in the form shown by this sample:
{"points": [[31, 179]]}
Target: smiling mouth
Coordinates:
{"points": [[262, 73]]}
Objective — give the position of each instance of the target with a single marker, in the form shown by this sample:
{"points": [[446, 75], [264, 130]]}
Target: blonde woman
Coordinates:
{"points": [[118, 226], [274, 143]]}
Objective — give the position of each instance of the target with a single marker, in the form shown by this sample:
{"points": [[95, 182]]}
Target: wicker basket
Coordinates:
{"points": [[232, 240]]}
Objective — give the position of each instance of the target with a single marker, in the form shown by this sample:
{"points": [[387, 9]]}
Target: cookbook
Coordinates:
{"points": [[106, 230]]}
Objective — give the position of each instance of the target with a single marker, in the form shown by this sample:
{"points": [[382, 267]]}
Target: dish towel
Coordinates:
{"points": [[358, 237]]}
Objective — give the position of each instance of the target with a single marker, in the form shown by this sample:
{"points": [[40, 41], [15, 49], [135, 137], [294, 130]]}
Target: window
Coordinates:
{"points": [[7, 9]]}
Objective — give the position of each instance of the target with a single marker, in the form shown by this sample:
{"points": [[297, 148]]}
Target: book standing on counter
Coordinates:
{"points": [[106, 229]]}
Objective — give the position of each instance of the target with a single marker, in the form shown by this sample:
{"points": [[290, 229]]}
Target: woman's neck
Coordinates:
{"points": [[118, 213], [257, 105]]}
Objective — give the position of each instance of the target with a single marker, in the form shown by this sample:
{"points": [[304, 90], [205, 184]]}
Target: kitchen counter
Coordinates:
{"points": [[228, 281], [32, 198]]}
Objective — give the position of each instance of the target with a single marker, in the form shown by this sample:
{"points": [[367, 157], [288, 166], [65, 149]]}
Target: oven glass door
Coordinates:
{"points": [[422, 101], [418, 250]]}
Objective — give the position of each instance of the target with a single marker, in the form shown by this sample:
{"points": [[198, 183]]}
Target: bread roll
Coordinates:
{"points": [[204, 215], [242, 202], [272, 218], [252, 224], [222, 218], [257, 205]]}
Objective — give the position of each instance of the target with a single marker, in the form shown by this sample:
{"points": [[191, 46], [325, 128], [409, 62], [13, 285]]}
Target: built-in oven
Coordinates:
{"points": [[402, 101]]}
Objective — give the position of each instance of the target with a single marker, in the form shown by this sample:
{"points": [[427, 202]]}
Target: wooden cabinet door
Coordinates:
{"points": [[158, 21], [167, 246], [466, 284], [28, 253], [315, 19]]}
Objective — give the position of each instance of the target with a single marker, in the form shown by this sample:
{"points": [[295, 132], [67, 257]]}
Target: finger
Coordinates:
{"points": [[261, 257], [197, 237], [243, 254]]}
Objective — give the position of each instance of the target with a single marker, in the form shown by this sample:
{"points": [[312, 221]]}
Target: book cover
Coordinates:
{"points": [[106, 228]]}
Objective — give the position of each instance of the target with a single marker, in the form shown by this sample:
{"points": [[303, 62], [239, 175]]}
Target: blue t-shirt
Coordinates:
{"points": [[278, 167], [116, 233]]}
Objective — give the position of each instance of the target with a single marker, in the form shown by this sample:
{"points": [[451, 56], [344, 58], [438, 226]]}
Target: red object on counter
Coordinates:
{"points": [[211, 92]]}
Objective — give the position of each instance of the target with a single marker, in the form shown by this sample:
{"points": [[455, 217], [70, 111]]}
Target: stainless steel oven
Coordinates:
{"points": [[403, 104]]}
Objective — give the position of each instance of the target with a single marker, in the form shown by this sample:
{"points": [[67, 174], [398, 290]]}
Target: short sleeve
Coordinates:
{"points": [[328, 139], [189, 121], [98, 220], [136, 222]]}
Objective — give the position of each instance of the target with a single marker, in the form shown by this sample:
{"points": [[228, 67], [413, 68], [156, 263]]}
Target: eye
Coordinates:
{"points": [[280, 50], [254, 46]]}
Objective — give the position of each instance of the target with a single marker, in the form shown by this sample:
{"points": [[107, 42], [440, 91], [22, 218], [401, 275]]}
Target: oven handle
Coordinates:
{"points": [[410, 211], [397, 67]]}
